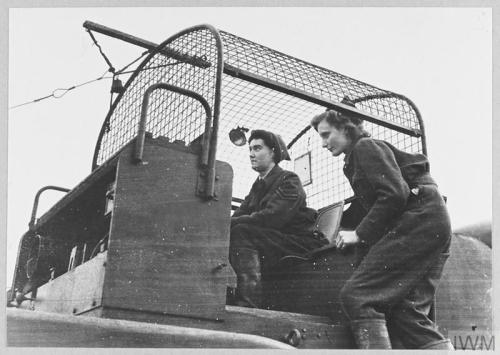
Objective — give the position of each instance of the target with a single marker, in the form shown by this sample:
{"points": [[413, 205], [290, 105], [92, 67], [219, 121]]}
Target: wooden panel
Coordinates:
{"points": [[165, 242], [76, 291]]}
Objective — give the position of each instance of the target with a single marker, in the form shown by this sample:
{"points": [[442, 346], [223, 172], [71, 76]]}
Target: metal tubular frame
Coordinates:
{"points": [[263, 88], [92, 26], [412, 105], [412, 132], [162, 49], [259, 80], [208, 151], [37, 198], [139, 148]]}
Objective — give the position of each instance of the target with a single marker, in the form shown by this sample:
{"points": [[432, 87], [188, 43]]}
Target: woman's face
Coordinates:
{"points": [[333, 139], [261, 156]]}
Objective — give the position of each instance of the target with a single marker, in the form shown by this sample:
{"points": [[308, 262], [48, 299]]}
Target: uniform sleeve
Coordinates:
{"points": [[243, 209], [283, 204], [382, 172], [352, 216]]}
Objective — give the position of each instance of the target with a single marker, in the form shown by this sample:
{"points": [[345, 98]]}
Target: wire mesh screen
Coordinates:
{"points": [[257, 107], [253, 106], [260, 104], [192, 66]]}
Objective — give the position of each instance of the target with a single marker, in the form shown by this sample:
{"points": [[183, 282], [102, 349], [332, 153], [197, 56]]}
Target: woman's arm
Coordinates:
{"points": [[353, 215], [243, 209], [379, 166]]}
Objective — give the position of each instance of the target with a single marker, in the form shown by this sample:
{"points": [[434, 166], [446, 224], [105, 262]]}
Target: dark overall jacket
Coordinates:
{"points": [[278, 202], [403, 223], [385, 181], [275, 220]]}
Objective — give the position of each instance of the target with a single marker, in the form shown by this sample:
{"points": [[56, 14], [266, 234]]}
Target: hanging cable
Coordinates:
{"points": [[111, 68], [58, 93], [30, 102]]}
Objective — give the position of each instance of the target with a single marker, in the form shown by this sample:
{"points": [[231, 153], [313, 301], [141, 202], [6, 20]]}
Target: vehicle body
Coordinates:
{"points": [[139, 249]]}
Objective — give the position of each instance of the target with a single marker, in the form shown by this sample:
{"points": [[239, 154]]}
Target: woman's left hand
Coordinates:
{"points": [[346, 238]]}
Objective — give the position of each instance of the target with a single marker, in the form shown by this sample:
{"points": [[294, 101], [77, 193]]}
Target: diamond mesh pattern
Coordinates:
{"points": [[171, 115], [253, 106]]}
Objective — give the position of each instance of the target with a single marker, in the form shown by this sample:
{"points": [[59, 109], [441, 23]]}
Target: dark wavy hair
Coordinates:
{"points": [[353, 125]]}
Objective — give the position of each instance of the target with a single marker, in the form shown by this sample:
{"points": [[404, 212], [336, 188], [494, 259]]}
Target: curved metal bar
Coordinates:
{"points": [[37, 198], [379, 96], [141, 134], [215, 129], [297, 137], [158, 49], [412, 105]]}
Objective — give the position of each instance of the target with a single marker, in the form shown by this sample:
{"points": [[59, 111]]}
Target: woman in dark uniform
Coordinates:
{"points": [[402, 237], [272, 221]]}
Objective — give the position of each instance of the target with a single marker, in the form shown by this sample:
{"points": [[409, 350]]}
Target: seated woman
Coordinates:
{"points": [[272, 221], [403, 238]]}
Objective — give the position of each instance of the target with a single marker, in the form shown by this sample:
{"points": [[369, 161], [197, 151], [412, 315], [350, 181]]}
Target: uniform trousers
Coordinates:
{"points": [[271, 244], [397, 277]]}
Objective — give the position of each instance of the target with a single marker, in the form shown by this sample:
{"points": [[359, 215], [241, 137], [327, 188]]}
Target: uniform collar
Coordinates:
{"points": [[347, 156], [263, 177], [271, 175]]}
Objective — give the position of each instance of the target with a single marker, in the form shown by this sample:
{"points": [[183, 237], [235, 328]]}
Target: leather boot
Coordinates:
{"points": [[439, 345], [246, 264], [371, 334]]}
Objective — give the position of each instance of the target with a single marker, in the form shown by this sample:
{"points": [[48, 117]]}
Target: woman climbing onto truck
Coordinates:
{"points": [[403, 237]]}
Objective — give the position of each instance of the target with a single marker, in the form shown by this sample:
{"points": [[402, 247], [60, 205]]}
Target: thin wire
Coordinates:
{"points": [[57, 95], [64, 91], [111, 68], [121, 71]]}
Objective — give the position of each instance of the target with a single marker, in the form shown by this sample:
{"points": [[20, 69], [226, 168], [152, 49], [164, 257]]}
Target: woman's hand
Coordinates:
{"points": [[346, 238]]}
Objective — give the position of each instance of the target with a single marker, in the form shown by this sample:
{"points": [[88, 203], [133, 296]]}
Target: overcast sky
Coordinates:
{"points": [[440, 58]]}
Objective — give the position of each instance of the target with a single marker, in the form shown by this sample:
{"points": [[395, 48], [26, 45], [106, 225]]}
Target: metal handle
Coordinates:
{"points": [[31, 224], [206, 157]]}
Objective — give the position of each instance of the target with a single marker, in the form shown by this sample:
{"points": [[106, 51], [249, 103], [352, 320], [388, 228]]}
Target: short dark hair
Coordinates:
{"points": [[264, 135], [352, 125], [273, 142]]}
